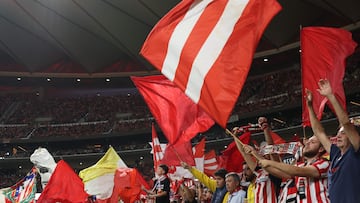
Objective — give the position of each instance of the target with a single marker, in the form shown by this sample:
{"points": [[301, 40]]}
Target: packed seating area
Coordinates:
{"points": [[25, 115]]}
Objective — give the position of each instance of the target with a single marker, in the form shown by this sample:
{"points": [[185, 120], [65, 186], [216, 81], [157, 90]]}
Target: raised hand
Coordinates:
{"points": [[324, 87], [185, 165], [263, 123], [308, 97]]}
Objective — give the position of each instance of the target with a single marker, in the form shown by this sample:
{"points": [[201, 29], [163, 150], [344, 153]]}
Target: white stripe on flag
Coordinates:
{"points": [[213, 47], [210, 161], [180, 36], [211, 167]]}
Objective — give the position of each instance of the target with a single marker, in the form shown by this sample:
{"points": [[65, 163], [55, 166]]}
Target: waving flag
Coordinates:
{"points": [[178, 117], [157, 149], [210, 163], [64, 186], [231, 159], [206, 48], [99, 178], [199, 154], [127, 187], [323, 54], [23, 191]]}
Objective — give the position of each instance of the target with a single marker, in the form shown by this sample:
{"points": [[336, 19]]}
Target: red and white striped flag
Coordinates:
{"points": [[198, 151], [206, 48], [157, 148], [210, 163]]}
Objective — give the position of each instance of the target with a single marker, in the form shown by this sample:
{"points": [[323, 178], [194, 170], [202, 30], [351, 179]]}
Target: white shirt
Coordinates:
{"points": [[237, 197]]}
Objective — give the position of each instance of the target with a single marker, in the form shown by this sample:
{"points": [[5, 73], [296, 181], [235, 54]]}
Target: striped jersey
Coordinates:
{"points": [[316, 189], [265, 191]]}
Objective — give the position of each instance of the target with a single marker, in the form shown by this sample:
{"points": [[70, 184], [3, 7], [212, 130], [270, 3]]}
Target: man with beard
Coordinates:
{"points": [[250, 177], [310, 176]]}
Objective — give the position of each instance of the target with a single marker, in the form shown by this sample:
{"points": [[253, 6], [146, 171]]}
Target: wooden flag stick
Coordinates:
{"points": [[241, 143], [354, 103], [177, 154], [234, 136], [304, 134]]}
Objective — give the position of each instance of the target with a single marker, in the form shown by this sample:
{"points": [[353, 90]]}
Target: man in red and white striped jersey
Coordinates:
{"points": [[310, 176], [264, 187]]}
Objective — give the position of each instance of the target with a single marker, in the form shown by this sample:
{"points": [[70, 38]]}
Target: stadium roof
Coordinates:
{"points": [[71, 38]]}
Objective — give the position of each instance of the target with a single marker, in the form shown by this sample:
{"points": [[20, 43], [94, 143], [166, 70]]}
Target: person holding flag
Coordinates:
{"points": [[264, 186], [345, 154], [217, 186], [310, 176]]}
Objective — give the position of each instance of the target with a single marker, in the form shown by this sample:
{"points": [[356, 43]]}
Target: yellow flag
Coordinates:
{"points": [[107, 164]]}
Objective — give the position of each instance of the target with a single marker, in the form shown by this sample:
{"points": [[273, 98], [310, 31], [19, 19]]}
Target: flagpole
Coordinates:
{"points": [[354, 103], [304, 133], [240, 142], [234, 136], [177, 155]]}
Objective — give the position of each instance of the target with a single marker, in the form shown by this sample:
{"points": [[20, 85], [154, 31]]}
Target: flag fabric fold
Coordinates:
{"points": [[64, 186], [99, 178], [323, 54], [179, 118], [23, 191], [206, 49]]}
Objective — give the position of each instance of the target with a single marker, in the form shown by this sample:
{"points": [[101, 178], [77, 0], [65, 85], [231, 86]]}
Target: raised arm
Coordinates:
{"points": [[247, 157], [203, 178], [307, 171], [274, 171], [264, 125], [349, 129], [315, 123]]}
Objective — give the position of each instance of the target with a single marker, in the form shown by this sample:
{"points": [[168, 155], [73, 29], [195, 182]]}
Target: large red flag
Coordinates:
{"points": [[178, 117], [323, 54], [231, 159], [64, 186], [206, 49]]}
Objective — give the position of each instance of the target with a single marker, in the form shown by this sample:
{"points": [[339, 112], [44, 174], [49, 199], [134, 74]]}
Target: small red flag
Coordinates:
{"points": [[231, 159], [178, 117], [211, 163], [199, 149], [206, 49], [127, 185], [158, 153], [323, 54]]}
